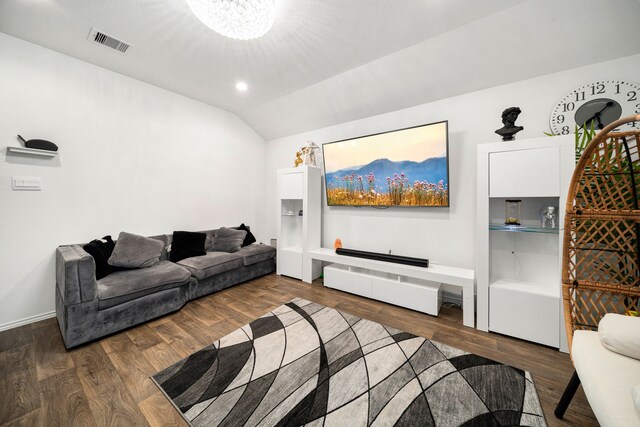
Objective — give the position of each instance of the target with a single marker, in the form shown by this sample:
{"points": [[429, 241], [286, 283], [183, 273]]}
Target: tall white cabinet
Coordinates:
{"points": [[519, 268], [299, 218]]}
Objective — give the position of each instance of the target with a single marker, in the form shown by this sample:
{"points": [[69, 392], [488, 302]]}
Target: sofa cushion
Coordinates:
{"points": [[211, 264], [186, 244], [249, 238], [164, 238], [133, 251], [101, 250], [255, 253], [208, 243], [607, 379], [228, 240], [123, 286], [635, 395], [621, 334]]}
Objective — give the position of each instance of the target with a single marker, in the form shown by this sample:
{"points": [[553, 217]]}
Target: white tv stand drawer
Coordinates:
{"points": [[348, 279], [416, 294]]}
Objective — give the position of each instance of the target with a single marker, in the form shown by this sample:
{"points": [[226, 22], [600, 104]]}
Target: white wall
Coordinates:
{"points": [[132, 157], [529, 39], [443, 235]]}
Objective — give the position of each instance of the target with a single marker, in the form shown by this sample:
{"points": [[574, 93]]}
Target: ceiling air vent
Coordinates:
{"points": [[105, 39]]}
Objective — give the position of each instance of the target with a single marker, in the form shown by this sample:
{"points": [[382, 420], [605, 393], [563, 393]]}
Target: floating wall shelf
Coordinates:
{"points": [[522, 229], [32, 151]]}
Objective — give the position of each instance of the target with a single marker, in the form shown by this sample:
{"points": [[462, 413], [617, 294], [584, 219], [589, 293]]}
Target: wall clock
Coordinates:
{"points": [[600, 103]]}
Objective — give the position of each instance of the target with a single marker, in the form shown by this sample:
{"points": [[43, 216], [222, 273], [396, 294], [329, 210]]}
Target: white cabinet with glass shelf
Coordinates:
{"points": [[299, 211], [518, 266]]}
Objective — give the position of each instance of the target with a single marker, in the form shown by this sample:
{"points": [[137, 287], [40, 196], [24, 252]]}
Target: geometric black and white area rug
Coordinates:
{"points": [[307, 364]]}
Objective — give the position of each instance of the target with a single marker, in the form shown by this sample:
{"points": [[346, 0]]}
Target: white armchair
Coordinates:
{"points": [[607, 363]]}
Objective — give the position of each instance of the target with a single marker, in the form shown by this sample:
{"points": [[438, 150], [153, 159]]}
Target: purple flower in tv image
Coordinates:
{"points": [[408, 167]]}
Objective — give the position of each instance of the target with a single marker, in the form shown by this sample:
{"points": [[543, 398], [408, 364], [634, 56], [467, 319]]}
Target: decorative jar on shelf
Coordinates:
{"points": [[512, 212], [289, 208], [549, 217]]}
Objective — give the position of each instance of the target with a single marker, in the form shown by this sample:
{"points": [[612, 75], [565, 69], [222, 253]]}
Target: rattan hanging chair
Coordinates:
{"points": [[601, 249]]}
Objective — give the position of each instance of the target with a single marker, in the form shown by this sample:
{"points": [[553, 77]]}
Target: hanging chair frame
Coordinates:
{"points": [[601, 245]]}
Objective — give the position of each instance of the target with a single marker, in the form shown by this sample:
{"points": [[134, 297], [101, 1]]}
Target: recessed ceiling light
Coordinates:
{"points": [[242, 86]]}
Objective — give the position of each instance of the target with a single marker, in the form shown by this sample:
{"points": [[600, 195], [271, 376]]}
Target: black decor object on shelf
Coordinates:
{"points": [[509, 130], [39, 144], [398, 259]]}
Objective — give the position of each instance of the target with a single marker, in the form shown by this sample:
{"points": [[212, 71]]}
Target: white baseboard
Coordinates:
{"points": [[27, 320]]}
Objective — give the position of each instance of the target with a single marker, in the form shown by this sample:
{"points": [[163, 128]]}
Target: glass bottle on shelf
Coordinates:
{"points": [[512, 212], [289, 208], [549, 217]]}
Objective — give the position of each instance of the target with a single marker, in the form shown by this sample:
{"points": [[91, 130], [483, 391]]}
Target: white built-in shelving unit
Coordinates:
{"points": [[299, 215], [518, 267]]}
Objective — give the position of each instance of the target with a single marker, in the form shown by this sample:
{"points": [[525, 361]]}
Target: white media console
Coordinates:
{"points": [[417, 288]]}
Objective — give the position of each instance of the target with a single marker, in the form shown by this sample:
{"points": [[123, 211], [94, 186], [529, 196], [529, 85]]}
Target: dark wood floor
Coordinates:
{"points": [[107, 382]]}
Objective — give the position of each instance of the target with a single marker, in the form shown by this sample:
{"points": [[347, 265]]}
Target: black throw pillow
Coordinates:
{"points": [[186, 244], [101, 251], [249, 238]]}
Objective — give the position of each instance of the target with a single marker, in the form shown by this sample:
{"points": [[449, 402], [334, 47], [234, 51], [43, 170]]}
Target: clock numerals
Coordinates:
{"points": [[598, 89], [596, 105]]}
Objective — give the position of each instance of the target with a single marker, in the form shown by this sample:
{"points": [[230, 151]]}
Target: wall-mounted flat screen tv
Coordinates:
{"points": [[404, 167]]}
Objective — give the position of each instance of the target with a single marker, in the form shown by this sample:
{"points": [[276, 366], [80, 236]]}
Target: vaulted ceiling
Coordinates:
{"points": [[329, 61]]}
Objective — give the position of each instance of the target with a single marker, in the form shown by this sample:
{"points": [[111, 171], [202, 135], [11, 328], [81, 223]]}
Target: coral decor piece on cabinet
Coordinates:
{"points": [[337, 244]]}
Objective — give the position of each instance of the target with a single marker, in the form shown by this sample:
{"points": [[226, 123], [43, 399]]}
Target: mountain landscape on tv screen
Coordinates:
{"points": [[430, 170], [384, 182]]}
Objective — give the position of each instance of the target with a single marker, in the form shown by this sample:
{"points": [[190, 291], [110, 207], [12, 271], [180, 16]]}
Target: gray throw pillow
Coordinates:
{"points": [[133, 251], [208, 243], [228, 240]]}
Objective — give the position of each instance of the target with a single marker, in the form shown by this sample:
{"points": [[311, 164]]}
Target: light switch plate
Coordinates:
{"points": [[26, 183]]}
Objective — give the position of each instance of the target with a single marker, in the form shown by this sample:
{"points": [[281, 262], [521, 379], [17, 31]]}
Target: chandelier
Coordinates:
{"points": [[237, 19]]}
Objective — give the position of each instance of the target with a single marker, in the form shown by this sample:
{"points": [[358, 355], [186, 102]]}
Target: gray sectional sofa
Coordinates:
{"points": [[88, 309]]}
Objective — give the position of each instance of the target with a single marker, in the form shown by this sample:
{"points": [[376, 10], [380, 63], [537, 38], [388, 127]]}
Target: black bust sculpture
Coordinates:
{"points": [[509, 117]]}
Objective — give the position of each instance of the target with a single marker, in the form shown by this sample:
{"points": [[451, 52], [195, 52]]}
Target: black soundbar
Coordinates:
{"points": [[398, 259]]}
